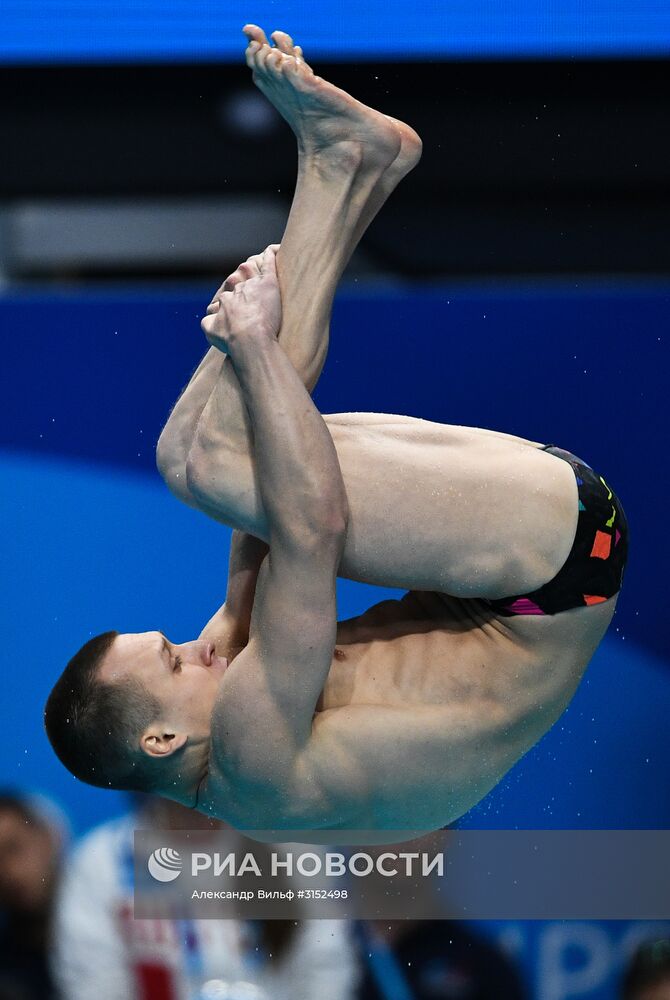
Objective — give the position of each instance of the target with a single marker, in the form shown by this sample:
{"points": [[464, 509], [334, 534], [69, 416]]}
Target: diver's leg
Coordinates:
{"points": [[176, 437], [305, 343], [344, 149], [333, 131], [350, 159]]}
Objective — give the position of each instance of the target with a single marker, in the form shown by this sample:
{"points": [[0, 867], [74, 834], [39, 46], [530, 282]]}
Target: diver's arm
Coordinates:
{"points": [[230, 624], [263, 717], [297, 481], [298, 472]]}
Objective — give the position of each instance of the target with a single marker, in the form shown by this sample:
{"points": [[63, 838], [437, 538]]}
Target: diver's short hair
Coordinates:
{"points": [[94, 727]]}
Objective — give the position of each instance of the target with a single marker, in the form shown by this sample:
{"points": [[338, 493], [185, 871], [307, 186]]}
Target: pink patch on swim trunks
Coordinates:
{"points": [[524, 607], [617, 537]]}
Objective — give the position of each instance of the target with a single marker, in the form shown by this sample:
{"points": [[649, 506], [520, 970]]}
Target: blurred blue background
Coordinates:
{"points": [[201, 29]]}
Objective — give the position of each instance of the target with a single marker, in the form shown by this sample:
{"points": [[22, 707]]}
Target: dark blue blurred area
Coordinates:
{"points": [[94, 376]]}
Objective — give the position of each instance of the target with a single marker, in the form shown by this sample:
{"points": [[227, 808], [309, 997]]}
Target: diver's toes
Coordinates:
{"points": [[250, 54], [261, 57], [283, 42], [255, 34], [274, 60]]}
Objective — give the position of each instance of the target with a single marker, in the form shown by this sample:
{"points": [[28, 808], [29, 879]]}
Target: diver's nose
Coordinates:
{"points": [[208, 653]]}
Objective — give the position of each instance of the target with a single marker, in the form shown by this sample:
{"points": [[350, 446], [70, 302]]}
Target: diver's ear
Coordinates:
{"points": [[157, 743]]}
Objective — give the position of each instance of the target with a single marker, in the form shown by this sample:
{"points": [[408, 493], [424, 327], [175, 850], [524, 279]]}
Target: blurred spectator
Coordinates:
{"points": [[102, 953], [648, 974], [32, 835], [433, 960]]}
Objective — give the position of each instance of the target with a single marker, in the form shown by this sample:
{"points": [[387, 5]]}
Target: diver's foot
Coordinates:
{"points": [[251, 268], [329, 124], [408, 156]]}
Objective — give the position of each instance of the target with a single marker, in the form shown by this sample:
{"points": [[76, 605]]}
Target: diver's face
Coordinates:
{"points": [[184, 678]]}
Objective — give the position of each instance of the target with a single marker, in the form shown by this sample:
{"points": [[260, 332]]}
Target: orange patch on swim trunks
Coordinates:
{"points": [[593, 599], [602, 545]]}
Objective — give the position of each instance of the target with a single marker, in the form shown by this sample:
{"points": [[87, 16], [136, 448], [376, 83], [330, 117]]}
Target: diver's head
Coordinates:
{"points": [[134, 711]]}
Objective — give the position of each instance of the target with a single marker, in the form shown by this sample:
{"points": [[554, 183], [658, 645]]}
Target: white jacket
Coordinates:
{"points": [[100, 952]]}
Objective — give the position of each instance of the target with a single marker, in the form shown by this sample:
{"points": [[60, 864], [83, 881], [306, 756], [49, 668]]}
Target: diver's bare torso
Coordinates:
{"points": [[432, 649], [460, 664], [452, 658], [496, 494]]}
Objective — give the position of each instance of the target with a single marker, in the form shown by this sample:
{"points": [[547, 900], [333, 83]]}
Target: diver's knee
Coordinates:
{"points": [[171, 463], [168, 458], [198, 469]]}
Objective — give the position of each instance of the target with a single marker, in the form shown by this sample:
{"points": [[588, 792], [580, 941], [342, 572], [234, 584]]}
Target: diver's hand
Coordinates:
{"points": [[249, 269], [248, 302]]}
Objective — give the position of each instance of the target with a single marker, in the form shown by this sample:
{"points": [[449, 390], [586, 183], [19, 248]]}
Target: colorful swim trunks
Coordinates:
{"points": [[594, 570]]}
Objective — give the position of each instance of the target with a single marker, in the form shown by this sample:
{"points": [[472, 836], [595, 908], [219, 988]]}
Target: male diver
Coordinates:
{"points": [[277, 716]]}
